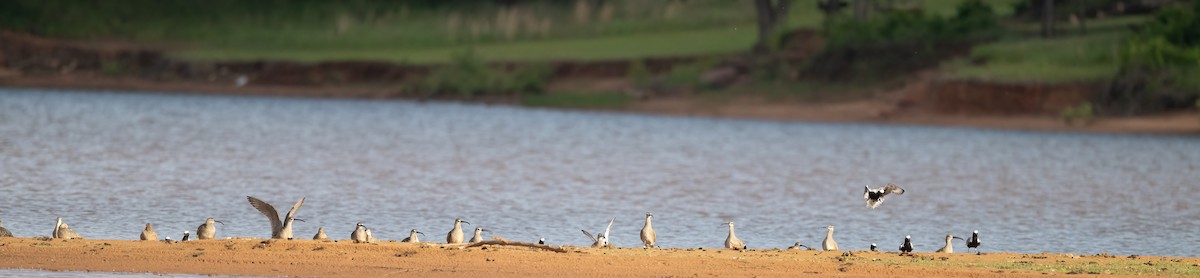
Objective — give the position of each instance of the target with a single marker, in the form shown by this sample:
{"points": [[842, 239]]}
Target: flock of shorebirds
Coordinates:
{"points": [[282, 229]]}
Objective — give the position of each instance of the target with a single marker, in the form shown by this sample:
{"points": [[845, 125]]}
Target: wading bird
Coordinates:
{"points": [[648, 235], [456, 234], [279, 229], [731, 241], [601, 239], [974, 242]]}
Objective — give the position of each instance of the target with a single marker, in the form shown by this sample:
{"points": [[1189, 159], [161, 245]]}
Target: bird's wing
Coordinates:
{"points": [[295, 208], [866, 192], [589, 235], [893, 189], [608, 231], [269, 211]]}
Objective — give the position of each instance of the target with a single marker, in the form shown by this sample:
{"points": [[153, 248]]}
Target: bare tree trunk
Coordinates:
{"points": [[771, 15], [860, 9], [1047, 18]]}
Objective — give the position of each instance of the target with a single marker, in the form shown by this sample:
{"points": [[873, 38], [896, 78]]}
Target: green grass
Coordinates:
{"points": [[315, 31], [676, 43], [578, 100], [1081, 58]]}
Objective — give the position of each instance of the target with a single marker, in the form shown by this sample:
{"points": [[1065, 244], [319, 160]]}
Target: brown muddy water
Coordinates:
{"points": [[109, 162]]}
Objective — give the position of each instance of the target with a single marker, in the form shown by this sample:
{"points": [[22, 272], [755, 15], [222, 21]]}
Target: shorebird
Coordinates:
{"points": [[186, 234], [61, 230], [874, 197], [799, 246], [360, 234], [208, 230], [478, 237], [148, 233], [370, 238], [320, 234], [4, 232], [456, 235], [829, 244], [974, 242], [542, 241], [873, 247], [648, 235], [279, 229], [601, 239], [906, 247], [731, 241], [949, 248], [412, 236]]}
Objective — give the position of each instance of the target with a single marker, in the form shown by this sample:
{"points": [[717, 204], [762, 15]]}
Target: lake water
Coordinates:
{"points": [[110, 162]]}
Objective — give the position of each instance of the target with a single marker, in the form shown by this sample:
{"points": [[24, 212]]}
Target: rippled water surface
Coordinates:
{"points": [[111, 162]]}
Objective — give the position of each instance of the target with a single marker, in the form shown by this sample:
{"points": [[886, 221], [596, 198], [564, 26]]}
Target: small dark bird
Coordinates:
{"points": [[974, 242], [874, 197], [186, 234], [906, 247], [542, 241], [872, 247]]}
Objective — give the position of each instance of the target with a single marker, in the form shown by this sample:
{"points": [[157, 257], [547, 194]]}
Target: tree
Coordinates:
{"points": [[1047, 18], [771, 15]]}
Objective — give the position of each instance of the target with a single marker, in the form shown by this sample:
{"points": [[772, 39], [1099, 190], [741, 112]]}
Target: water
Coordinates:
{"points": [[111, 162]]}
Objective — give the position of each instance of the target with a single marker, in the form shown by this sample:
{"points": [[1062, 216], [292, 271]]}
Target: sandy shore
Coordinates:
{"points": [[314, 258]]}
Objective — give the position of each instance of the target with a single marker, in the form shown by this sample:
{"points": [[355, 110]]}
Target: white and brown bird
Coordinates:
{"points": [[829, 244], [478, 237], [4, 232], [61, 230], [412, 236], [456, 234], [208, 230], [601, 239], [648, 236], [359, 235], [949, 248], [799, 246], [320, 234], [874, 197], [148, 233], [279, 229], [732, 241], [367, 233]]}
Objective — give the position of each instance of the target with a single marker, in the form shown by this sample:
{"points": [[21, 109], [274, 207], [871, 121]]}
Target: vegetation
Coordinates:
{"points": [[578, 100], [899, 40], [1089, 58], [412, 31], [468, 77], [1159, 64], [1079, 114]]}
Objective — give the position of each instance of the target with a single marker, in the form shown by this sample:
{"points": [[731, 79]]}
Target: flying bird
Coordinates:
{"points": [[874, 197]]}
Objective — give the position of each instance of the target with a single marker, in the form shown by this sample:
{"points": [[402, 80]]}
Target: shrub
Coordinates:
{"points": [[467, 76], [1158, 65], [899, 41], [1081, 113]]}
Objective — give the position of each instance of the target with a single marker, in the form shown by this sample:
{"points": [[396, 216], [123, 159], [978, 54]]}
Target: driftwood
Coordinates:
{"points": [[501, 241]]}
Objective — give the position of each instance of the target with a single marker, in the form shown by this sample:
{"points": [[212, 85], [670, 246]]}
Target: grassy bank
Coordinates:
{"points": [[415, 31], [1074, 57]]}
